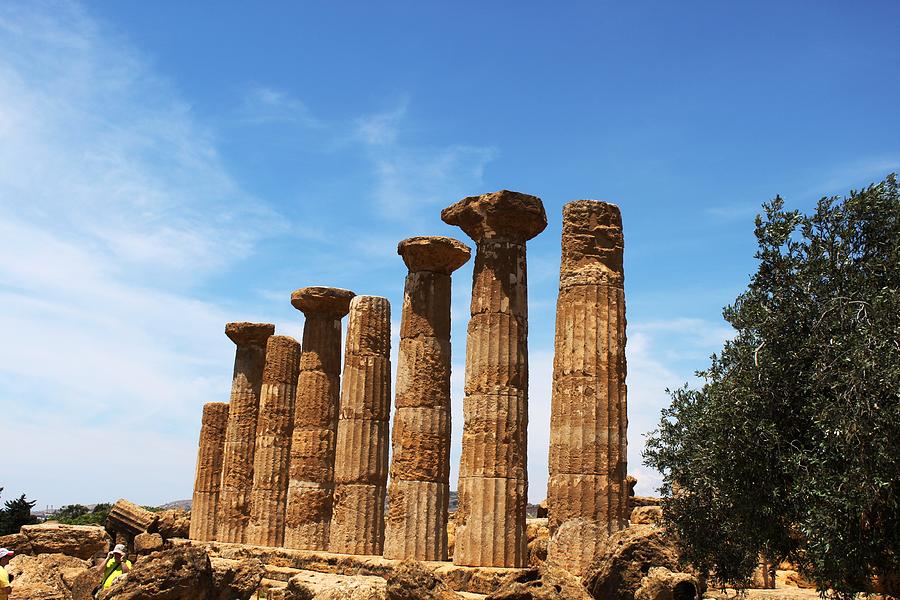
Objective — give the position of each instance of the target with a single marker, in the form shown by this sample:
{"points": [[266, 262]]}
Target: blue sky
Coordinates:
{"points": [[167, 167]]}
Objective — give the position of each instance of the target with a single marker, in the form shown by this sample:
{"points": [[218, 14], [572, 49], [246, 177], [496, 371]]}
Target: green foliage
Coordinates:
{"points": [[15, 514], [95, 516], [791, 448]]}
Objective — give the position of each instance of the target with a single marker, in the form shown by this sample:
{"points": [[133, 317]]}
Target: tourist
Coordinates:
{"points": [[115, 566], [5, 587]]}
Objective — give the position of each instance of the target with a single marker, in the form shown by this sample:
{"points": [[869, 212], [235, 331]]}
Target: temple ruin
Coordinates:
{"points": [[419, 493], [299, 457], [240, 434], [311, 470], [493, 474], [587, 492], [361, 460]]}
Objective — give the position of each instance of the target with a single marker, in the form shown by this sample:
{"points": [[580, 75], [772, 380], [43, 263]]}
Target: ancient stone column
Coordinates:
{"points": [[311, 473], [361, 461], [240, 435], [208, 476], [493, 476], [587, 489], [272, 457], [419, 492]]}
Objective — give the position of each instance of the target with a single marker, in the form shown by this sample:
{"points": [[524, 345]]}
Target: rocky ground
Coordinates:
{"points": [[58, 562]]}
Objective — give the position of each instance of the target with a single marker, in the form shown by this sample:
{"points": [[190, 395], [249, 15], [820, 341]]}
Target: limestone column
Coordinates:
{"points": [[587, 489], [361, 460], [271, 459], [208, 476], [419, 491], [311, 473], [493, 476], [240, 435]]}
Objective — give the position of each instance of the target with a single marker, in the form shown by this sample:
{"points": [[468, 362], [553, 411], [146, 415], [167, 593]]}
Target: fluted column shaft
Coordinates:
{"points": [[208, 476], [493, 476], [240, 435], [361, 457], [311, 472], [271, 462], [587, 493], [418, 497]]}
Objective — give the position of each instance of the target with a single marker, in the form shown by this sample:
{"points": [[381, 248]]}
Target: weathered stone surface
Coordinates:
{"points": [[545, 583], [537, 533], [173, 523], [646, 515], [361, 459], [415, 524], [490, 521], [236, 581], [309, 586], [493, 478], [47, 577], [357, 522], [410, 581], [662, 584], [80, 541], [587, 491], [626, 558], [181, 573], [272, 456], [16, 542], [145, 543], [311, 471], [208, 477], [421, 445], [240, 434]]}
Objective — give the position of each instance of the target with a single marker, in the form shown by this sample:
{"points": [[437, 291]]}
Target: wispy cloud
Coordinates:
{"points": [[268, 105], [114, 208]]}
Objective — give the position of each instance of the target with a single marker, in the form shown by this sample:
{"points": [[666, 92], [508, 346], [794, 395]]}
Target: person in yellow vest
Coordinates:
{"points": [[116, 565], [5, 587]]}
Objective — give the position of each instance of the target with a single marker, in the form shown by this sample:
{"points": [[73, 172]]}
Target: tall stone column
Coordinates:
{"points": [[361, 461], [419, 492], [240, 435], [311, 473], [493, 475], [208, 476], [587, 489], [273, 442]]}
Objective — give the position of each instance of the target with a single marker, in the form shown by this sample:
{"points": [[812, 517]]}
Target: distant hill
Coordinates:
{"points": [[183, 504]]}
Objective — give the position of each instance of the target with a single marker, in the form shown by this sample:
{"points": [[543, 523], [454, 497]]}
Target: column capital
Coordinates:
{"points": [[324, 301], [433, 253], [242, 333], [503, 214]]}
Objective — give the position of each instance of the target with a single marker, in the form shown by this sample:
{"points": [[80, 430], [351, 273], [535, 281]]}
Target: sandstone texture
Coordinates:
{"points": [[361, 460], [146, 543], [546, 583], [240, 435], [236, 581], [50, 577], [410, 581], [587, 491], [182, 573], [309, 586], [646, 515], [493, 481], [80, 541], [416, 523], [173, 523], [625, 558], [662, 584], [17, 542], [208, 475], [130, 519], [272, 457], [311, 471]]}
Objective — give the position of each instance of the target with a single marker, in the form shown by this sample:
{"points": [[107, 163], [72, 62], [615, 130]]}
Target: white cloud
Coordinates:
{"points": [[269, 105], [114, 205]]}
